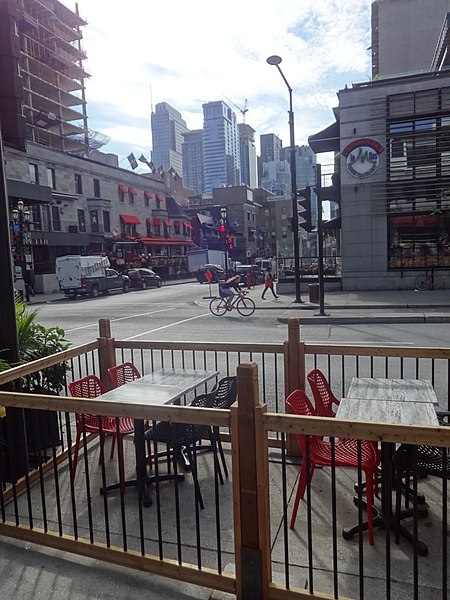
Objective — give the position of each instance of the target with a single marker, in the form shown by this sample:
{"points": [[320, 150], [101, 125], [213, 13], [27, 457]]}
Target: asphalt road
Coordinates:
{"points": [[180, 312]]}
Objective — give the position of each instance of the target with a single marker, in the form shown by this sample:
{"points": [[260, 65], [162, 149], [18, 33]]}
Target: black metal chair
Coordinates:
{"points": [[416, 461], [185, 436]]}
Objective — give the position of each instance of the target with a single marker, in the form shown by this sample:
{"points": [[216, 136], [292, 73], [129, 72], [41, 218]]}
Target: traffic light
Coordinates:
{"points": [[230, 243], [304, 213], [222, 231]]}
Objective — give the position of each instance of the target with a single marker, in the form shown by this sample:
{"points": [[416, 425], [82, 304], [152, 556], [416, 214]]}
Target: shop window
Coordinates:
{"points": [[93, 217], [96, 187], [81, 220], [34, 173], [51, 177], [106, 221], [78, 184]]}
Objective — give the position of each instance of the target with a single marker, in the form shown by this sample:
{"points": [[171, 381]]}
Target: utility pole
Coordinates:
{"points": [[318, 169]]}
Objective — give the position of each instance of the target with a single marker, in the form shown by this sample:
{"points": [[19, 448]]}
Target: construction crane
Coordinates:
{"points": [[243, 111]]}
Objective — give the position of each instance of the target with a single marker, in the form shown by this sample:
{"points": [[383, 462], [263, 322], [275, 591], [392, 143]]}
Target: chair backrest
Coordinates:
{"points": [[190, 432], [300, 404], [124, 373], [87, 387], [225, 392], [323, 396]]}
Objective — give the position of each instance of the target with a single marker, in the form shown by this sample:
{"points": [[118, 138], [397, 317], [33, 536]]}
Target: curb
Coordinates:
{"points": [[330, 319]]}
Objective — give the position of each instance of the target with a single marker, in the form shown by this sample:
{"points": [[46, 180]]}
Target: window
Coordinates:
{"points": [[51, 177], [130, 197], [93, 217], [34, 173], [146, 200], [248, 216], [36, 217], [56, 218], [97, 188], [78, 184], [81, 220], [122, 192], [106, 221]]}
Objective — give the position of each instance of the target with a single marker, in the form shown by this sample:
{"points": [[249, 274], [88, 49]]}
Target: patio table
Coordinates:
{"points": [[408, 402], [165, 386]]}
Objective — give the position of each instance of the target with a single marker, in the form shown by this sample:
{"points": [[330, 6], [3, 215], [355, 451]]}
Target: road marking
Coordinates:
{"points": [[153, 312], [166, 326]]}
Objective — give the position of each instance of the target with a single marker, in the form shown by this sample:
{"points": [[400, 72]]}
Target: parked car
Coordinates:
{"points": [[250, 274], [217, 272], [143, 278]]}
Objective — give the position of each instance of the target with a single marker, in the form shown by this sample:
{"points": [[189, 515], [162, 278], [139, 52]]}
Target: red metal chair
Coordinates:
{"points": [[91, 387], [324, 398], [124, 373], [320, 453]]}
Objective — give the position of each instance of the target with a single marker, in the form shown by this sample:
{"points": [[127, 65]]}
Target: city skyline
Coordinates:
{"points": [[190, 56]]}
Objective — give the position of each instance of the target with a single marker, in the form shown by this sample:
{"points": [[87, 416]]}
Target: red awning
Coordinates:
{"points": [[130, 219], [165, 242], [148, 221], [160, 197], [186, 224], [166, 222], [123, 189], [132, 191], [148, 195], [157, 222], [176, 223]]}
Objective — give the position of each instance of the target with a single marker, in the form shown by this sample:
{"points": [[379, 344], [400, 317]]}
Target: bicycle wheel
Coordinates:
{"points": [[218, 307], [245, 307], [422, 283]]}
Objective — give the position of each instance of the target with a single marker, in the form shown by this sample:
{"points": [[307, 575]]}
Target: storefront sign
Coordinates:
{"points": [[362, 157]]}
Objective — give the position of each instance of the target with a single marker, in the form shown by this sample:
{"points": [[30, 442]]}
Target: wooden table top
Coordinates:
{"points": [[160, 387], [401, 390], [405, 401]]}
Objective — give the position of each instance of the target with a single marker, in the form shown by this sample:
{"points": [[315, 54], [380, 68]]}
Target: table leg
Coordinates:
{"points": [[385, 517]]}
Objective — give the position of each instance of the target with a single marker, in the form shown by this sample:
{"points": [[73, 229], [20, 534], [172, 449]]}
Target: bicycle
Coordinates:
{"points": [[429, 282], [244, 306]]}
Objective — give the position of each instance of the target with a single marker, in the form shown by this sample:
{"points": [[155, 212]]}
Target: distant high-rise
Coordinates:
{"points": [[168, 127], [248, 155], [404, 35], [221, 152], [270, 151], [192, 151]]}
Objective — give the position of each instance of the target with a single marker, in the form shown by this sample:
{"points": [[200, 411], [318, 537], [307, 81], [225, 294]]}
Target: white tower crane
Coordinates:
{"points": [[243, 111]]}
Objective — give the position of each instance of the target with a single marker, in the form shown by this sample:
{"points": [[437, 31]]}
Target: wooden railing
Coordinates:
{"points": [[253, 422]]}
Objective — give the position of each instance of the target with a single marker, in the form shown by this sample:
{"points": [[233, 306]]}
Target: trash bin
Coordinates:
{"points": [[314, 292]]}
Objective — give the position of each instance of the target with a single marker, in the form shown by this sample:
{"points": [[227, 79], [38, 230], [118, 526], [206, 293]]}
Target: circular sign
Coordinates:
{"points": [[362, 157], [119, 253], [208, 276]]}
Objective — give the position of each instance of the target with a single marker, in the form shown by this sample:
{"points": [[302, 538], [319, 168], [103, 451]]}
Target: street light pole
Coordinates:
{"points": [[21, 219], [275, 60]]}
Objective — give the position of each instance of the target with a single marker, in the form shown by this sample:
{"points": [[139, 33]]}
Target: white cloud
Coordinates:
{"points": [[187, 52]]}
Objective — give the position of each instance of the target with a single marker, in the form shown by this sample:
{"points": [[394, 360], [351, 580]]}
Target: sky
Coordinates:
{"points": [[188, 52]]}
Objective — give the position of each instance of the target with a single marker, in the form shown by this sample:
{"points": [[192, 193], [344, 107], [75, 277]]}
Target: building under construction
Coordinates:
{"points": [[41, 41]]}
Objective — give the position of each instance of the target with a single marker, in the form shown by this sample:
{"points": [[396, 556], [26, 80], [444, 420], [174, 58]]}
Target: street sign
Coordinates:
{"points": [[208, 276]]}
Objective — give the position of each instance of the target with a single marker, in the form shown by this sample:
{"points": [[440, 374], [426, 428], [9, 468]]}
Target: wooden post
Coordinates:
{"points": [[250, 489], [294, 374], [106, 351]]}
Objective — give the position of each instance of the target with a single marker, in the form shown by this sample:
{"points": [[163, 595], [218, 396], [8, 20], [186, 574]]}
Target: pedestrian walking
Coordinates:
{"points": [[268, 283]]}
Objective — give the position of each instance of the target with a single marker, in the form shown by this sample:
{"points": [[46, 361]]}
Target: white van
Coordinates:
{"points": [[263, 263]]}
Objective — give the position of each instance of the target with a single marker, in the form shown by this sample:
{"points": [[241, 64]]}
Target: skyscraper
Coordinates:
{"points": [[192, 151], [168, 127], [248, 155], [270, 151], [221, 152]]}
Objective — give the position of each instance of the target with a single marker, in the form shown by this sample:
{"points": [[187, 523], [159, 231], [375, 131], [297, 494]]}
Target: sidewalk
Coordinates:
{"points": [[398, 306]]}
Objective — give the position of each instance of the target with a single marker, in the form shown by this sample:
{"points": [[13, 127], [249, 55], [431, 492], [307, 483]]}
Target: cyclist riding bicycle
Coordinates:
{"points": [[232, 283]]}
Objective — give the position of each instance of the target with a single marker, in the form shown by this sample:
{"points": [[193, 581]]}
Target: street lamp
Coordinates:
{"points": [[21, 219], [275, 61], [223, 232]]}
